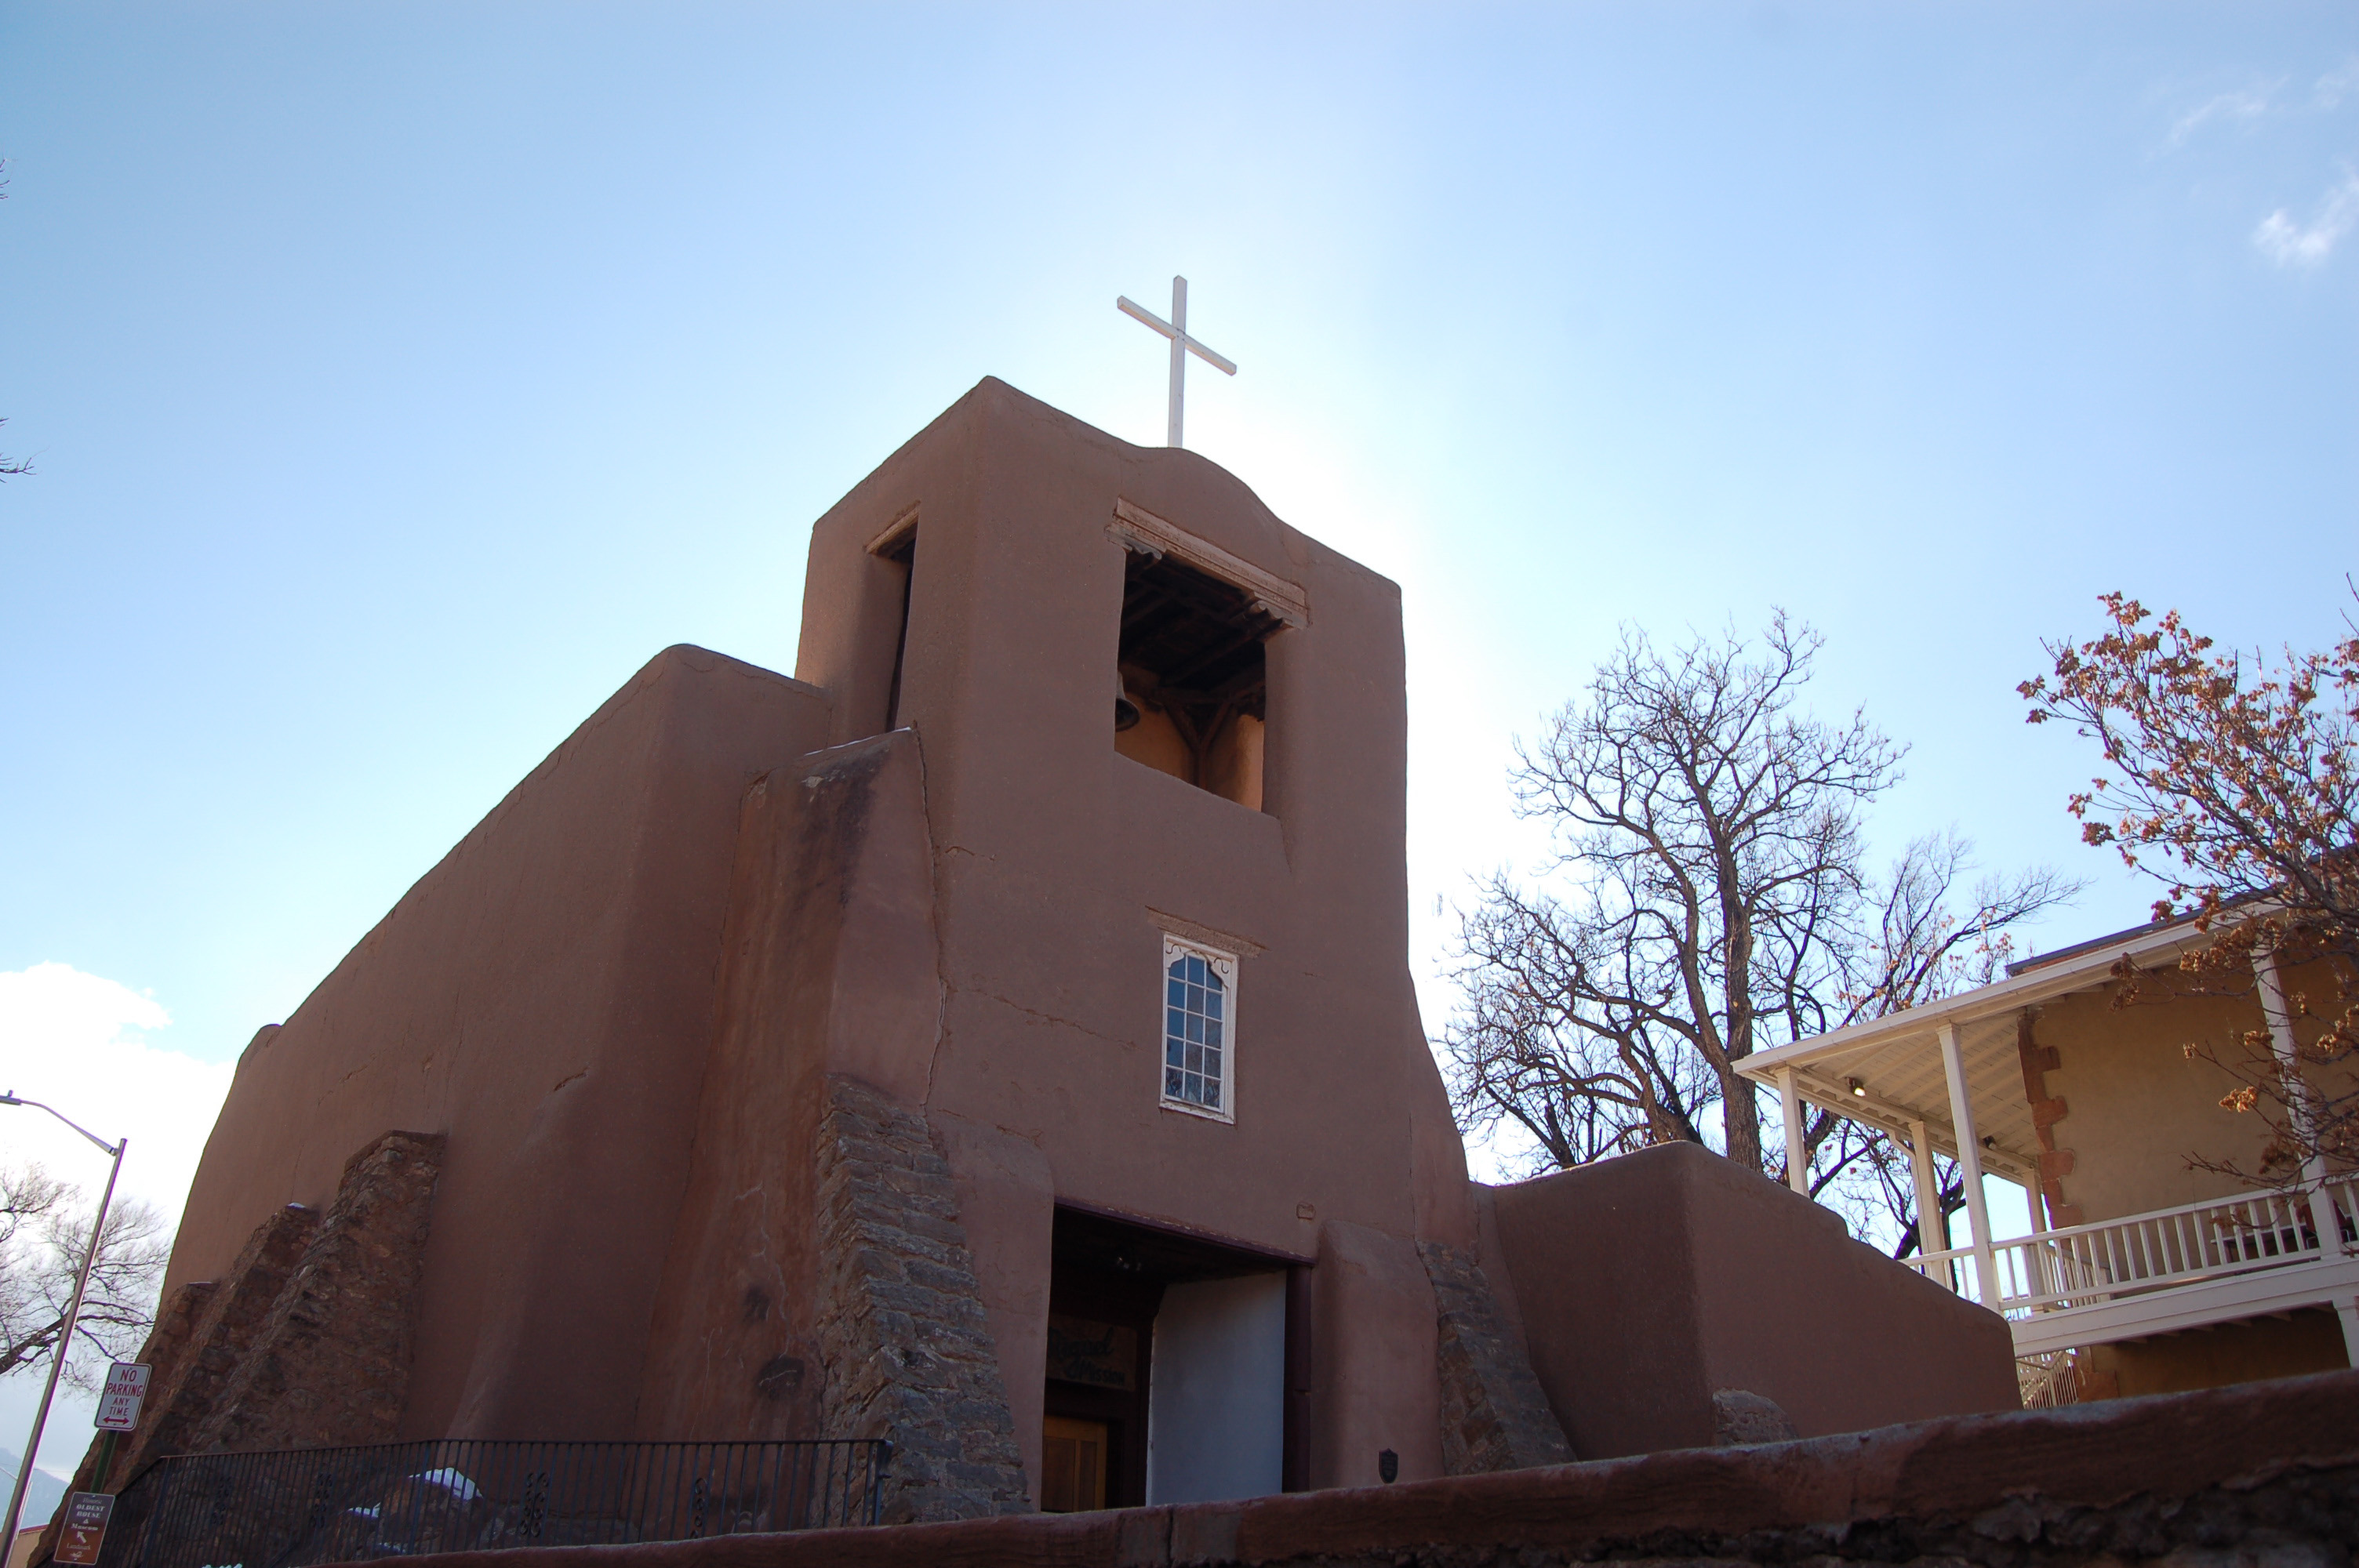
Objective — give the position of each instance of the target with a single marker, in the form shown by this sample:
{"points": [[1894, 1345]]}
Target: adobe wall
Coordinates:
{"points": [[1059, 864], [544, 996], [1649, 1283], [818, 1280], [828, 954], [620, 996], [2261, 1474], [639, 996]]}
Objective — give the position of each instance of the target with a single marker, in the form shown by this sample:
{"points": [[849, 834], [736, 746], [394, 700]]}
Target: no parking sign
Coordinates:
{"points": [[126, 1389]]}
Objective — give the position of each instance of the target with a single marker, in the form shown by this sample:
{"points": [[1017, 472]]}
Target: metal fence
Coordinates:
{"points": [[294, 1507]]}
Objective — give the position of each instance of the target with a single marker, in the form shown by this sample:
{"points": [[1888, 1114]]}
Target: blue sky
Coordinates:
{"points": [[399, 379]]}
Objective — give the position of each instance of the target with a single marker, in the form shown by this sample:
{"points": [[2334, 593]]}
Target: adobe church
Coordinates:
{"points": [[999, 1037]]}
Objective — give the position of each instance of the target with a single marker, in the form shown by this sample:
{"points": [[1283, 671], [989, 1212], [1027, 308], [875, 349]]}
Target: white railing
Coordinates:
{"points": [[2084, 1264], [2049, 1378]]}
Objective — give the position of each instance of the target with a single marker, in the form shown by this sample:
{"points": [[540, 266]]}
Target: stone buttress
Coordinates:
{"points": [[906, 1349]]}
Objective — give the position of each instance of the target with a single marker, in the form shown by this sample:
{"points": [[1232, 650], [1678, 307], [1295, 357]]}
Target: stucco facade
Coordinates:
{"points": [[2143, 1117], [2136, 1123], [806, 1053]]}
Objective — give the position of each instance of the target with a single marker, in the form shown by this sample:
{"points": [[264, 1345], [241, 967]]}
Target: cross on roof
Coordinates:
{"points": [[1182, 345]]}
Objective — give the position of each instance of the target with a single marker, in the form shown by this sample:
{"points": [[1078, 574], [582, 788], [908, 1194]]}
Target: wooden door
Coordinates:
{"points": [[1072, 1466]]}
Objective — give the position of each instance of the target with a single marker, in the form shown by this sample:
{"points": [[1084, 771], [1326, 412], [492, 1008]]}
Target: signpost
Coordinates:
{"points": [[126, 1388], [86, 1527], [87, 1512]]}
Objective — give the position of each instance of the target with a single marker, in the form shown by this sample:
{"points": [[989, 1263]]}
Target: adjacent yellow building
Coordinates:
{"points": [[2150, 1269]]}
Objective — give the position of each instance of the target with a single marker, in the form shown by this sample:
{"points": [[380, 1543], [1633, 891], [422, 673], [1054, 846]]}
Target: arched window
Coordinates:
{"points": [[1198, 1030]]}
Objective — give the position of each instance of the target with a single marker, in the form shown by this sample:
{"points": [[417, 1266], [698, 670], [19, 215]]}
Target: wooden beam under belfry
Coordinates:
{"points": [[1137, 528], [1970, 1164]]}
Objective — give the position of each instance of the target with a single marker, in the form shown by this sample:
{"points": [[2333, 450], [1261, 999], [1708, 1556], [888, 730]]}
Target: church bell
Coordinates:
{"points": [[1125, 712]]}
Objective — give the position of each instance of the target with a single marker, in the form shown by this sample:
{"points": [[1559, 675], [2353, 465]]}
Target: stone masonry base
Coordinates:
{"points": [[305, 1342], [908, 1349], [1493, 1413]]}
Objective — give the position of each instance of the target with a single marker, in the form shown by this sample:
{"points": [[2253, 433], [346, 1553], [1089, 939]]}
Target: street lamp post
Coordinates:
{"points": [[73, 1312]]}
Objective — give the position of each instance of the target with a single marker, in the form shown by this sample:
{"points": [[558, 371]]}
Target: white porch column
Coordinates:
{"points": [[1970, 1165], [2270, 982], [2271, 985], [1797, 1169], [1930, 1229]]}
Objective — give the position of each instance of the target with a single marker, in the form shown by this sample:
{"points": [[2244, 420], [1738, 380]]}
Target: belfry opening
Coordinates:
{"points": [[1194, 666]]}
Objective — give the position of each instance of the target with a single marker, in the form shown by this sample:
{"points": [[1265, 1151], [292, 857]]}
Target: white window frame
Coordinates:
{"points": [[1225, 965]]}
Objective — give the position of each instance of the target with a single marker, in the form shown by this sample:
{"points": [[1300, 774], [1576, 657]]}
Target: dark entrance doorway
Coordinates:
{"points": [[1108, 1282]]}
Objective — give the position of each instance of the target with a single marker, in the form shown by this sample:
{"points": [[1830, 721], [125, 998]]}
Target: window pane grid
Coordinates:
{"points": [[1194, 1037]]}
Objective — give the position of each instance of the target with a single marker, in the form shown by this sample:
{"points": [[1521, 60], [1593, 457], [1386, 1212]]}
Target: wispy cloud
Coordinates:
{"points": [[2247, 103], [2337, 84], [2290, 244], [73, 1040]]}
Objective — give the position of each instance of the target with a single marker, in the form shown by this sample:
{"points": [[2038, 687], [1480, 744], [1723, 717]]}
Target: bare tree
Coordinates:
{"points": [[9, 465], [44, 1229], [2236, 785], [1710, 899]]}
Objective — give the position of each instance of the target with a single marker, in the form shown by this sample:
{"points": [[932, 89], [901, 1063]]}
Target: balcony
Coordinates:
{"points": [[2158, 1273]]}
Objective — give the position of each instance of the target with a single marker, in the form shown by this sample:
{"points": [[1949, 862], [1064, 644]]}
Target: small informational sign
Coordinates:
{"points": [[86, 1517], [126, 1388], [1101, 1355]]}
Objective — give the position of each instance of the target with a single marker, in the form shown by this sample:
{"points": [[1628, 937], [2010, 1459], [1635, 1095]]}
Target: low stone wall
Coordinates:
{"points": [[304, 1343], [2265, 1473], [201, 1339], [330, 1364]]}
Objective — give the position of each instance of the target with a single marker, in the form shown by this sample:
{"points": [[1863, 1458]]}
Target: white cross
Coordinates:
{"points": [[1182, 345]]}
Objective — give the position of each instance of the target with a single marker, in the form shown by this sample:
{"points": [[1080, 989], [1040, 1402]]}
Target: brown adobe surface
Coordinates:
{"points": [[1706, 1278]]}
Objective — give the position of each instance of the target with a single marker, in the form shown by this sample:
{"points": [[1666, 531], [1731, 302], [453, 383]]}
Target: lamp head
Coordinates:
{"points": [[10, 1098]]}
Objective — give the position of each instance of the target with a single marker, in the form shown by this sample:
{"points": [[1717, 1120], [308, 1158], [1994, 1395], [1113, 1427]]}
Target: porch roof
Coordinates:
{"points": [[1897, 1060]]}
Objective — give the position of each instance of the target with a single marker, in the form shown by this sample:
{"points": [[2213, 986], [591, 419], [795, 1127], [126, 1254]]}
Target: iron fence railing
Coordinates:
{"points": [[294, 1507]]}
